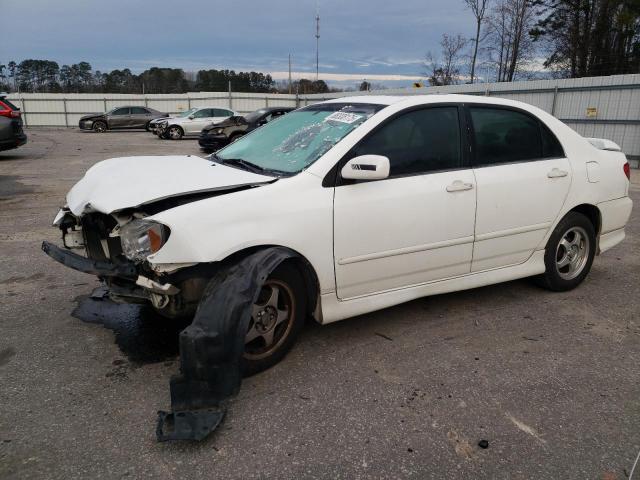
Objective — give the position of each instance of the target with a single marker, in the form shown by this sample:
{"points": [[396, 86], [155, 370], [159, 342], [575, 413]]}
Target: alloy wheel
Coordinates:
{"points": [[272, 318], [572, 253], [175, 133]]}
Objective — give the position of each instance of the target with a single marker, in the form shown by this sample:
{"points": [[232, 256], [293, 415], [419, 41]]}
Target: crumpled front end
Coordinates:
{"points": [[114, 248]]}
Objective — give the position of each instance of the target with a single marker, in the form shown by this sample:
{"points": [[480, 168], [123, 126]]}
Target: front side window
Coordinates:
{"points": [[120, 111], [203, 113], [417, 142], [186, 113], [504, 136], [299, 138]]}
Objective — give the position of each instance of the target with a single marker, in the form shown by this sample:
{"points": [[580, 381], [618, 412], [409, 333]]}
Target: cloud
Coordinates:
{"points": [[343, 77], [360, 37]]}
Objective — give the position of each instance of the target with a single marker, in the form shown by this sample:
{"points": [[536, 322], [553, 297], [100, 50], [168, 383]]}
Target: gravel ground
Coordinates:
{"points": [[550, 380]]}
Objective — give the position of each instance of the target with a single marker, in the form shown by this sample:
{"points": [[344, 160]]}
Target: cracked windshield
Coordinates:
{"points": [[292, 143]]}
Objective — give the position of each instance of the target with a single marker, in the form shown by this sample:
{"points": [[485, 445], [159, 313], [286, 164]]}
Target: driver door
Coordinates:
{"points": [[201, 119], [120, 117], [417, 225]]}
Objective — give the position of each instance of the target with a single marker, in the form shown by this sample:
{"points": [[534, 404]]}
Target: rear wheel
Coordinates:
{"points": [[99, 126], [276, 319], [569, 253]]}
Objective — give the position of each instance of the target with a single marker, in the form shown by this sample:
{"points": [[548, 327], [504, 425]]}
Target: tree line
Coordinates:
{"points": [[46, 76], [514, 38]]}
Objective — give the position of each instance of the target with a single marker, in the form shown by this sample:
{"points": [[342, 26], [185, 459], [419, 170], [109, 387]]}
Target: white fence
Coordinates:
{"points": [[607, 107], [65, 109]]}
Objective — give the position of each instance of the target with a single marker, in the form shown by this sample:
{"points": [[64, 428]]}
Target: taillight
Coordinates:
{"points": [[627, 171], [6, 111]]}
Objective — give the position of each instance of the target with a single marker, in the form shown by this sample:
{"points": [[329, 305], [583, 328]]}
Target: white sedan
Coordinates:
{"points": [[377, 200], [175, 128]]}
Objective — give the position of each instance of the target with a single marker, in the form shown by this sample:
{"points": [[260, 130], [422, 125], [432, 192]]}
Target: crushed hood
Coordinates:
{"points": [[129, 182]]}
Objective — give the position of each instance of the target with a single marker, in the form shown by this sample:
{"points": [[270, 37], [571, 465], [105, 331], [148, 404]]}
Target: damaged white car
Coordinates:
{"points": [[379, 200]]}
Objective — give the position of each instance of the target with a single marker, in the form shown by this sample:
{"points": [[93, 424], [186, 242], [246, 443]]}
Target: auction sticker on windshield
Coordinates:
{"points": [[343, 117]]}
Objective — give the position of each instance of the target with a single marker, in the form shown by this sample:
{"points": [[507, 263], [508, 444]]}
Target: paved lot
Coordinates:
{"points": [[551, 381]]}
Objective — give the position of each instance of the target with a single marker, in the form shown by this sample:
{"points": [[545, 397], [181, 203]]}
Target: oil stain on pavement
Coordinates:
{"points": [[141, 334]]}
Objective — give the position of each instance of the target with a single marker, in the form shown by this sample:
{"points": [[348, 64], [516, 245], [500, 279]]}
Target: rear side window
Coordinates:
{"points": [[503, 136], [219, 112], [551, 147], [417, 142], [139, 111]]}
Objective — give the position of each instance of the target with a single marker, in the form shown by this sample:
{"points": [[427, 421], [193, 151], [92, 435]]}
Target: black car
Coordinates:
{"points": [[11, 133], [120, 118], [218, 135]]}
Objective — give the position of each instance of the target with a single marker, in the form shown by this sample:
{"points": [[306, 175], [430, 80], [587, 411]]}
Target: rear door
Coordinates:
{"points": [[220, 114], [523, 179], [139, 117]]}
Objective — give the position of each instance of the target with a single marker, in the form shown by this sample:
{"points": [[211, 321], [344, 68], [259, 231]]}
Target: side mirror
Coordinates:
{"points": [[191, 117], [366, 167]]}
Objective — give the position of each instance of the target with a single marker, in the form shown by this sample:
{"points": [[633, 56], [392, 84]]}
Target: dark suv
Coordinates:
{"points": [[120, 117], [217, 135], [11, 133]]}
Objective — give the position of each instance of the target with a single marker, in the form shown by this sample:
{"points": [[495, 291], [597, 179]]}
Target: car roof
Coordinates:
{"points": [[425, 99]]}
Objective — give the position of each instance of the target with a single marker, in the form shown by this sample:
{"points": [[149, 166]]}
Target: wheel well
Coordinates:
{"points": [[174, 125], [312, 284], [592, 213]]}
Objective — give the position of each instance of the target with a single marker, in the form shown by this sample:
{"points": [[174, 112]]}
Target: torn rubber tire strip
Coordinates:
{"points": [[211, 348]]}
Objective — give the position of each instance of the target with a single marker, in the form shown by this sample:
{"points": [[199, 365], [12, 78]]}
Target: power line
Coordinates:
{"points": [[317, 40]]}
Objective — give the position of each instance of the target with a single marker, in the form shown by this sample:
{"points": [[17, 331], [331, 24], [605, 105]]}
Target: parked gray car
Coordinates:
{"points": [[120, 118], [11, 133]]}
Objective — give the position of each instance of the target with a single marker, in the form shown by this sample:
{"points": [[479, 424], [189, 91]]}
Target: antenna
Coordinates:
{"points": [[317, 39]]}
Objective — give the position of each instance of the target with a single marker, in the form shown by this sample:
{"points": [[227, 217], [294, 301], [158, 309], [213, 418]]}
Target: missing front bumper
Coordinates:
{"points": [[102, 268]]}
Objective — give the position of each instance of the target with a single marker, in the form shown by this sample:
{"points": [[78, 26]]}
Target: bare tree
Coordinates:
{"points": [[478, 9], [446, 71], [511, 46]]}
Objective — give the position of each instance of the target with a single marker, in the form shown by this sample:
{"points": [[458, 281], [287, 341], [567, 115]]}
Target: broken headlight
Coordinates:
{"points": [[141, 238]]}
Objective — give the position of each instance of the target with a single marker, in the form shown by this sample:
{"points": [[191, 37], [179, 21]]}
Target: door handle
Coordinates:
{"points": [[557, 173], [459, 186]]}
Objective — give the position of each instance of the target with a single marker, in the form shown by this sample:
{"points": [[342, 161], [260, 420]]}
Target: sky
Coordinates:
{"points": [[382, 41]]}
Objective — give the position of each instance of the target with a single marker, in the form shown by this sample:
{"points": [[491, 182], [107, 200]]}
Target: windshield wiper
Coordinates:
{"points": [[239, 162], [246, 165]]}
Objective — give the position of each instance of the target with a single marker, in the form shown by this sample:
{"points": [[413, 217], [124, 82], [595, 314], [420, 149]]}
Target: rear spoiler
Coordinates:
{"points": [[604, 144]]}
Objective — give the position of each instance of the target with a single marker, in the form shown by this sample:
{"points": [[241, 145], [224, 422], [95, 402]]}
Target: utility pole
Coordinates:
{"points": [[289, 74], [317, 41]]}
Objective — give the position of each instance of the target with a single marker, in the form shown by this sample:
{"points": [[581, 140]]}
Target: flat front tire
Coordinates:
{"points": [[569, 253], [276, 319]]}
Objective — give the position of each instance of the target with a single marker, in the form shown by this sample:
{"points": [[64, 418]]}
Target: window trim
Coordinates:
{"points": [[472, 136], [334, 179]]}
